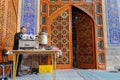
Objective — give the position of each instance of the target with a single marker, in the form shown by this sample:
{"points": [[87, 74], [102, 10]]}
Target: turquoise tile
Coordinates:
{"points": [[71, 74]]}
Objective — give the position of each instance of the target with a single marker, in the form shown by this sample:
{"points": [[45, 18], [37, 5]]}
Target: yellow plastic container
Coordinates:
{"points": [[45, 68]]}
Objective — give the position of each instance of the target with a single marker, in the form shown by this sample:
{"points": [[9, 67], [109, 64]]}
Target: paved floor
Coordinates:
{"points": [[74, 74]]}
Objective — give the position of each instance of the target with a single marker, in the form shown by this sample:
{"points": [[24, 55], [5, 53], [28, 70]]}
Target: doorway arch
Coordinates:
{"points": [[83, 39], [62, 17]]}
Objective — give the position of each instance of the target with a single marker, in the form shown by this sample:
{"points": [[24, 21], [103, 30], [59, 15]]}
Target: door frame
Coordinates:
{"points": [[93, 17]]}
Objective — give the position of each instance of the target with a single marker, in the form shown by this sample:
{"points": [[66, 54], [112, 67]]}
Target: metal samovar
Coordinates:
{"points": [[42, 39]]}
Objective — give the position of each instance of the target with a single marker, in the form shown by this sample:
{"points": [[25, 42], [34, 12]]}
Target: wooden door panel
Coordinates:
{"points": [[85, 41], [60, 37]]}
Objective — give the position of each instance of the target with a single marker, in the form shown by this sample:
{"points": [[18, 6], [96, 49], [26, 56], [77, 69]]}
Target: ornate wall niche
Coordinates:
{"points": [[8, 22], [11, 24]]}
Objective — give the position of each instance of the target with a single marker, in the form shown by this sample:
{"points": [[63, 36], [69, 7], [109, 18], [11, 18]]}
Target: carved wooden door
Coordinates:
{"points": [[85, 41]]}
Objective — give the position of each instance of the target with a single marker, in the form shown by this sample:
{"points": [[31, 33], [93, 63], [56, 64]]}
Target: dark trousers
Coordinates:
{"points": [[19, 63]]}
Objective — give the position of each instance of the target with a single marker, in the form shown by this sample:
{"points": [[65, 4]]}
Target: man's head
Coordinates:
{"points": [[23, 29]]}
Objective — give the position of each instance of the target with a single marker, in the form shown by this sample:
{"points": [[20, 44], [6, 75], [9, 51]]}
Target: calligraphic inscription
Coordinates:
{"points": [[29, 15]]}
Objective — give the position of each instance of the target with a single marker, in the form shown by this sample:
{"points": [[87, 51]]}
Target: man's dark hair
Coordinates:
{"points": [[22, 27]]}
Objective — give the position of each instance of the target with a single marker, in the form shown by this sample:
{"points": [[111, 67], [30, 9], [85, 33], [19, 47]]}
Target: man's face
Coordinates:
{"points": [[23, 30]]}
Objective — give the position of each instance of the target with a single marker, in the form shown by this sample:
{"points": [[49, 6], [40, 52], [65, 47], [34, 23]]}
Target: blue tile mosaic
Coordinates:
{"points": [[113, 24], [29, 15]]}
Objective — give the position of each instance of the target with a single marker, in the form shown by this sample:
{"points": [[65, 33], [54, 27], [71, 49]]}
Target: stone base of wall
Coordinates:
{"points": [[113, 58]]}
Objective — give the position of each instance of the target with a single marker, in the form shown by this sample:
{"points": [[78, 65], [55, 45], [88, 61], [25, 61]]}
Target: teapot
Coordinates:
{"points": [[27, 37], [24, 36]]}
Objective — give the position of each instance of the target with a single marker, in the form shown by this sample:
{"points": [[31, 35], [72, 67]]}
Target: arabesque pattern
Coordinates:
{"points": [[11, 24], [60, 36], [84, 40], [88, 7], [54, 8], [2, 11]]}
